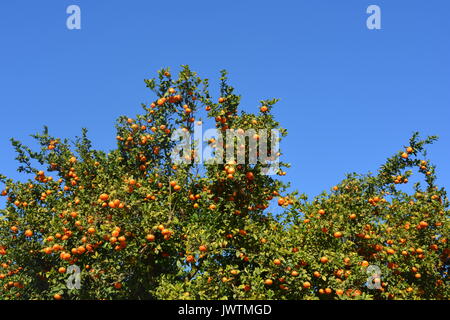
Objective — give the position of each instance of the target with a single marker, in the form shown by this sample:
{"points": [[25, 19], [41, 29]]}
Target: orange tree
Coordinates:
{"points": [[139, 226]]}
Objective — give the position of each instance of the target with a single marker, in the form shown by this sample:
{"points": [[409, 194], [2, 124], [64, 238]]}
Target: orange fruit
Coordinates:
{"points": [[423, 224], [337, 234], [104, 197], [324, 260]]}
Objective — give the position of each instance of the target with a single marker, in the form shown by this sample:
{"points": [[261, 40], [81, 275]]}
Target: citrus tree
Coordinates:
{"points": [[134, 223]]}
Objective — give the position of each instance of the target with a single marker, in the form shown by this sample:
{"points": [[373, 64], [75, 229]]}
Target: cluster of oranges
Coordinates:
{"points": [[211, 225]]}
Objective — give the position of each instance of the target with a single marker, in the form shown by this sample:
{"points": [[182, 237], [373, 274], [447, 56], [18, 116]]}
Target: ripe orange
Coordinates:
{"points": [[321, 212], [28, 233], [150, 237], [423, 224], [324, 260], [268, 282], [91, 230], [306, 285], [62, 270], [202, 248], [166, 232], [264, 109], [104, 197], [243, 232], [57, 296], [337, 234], [277, 262]]}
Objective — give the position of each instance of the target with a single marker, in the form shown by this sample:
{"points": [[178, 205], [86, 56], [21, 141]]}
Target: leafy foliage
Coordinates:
{"points": [[140, 226]]}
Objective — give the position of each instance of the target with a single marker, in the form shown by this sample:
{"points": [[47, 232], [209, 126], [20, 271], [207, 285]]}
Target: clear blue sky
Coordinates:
{"points": [[350, 97]]}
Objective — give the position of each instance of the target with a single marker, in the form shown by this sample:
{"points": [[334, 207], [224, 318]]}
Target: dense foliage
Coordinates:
{"points": [[140, 226]]}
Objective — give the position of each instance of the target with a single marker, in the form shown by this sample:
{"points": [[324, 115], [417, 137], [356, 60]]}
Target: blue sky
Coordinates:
{"points": [[350, 97]]}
